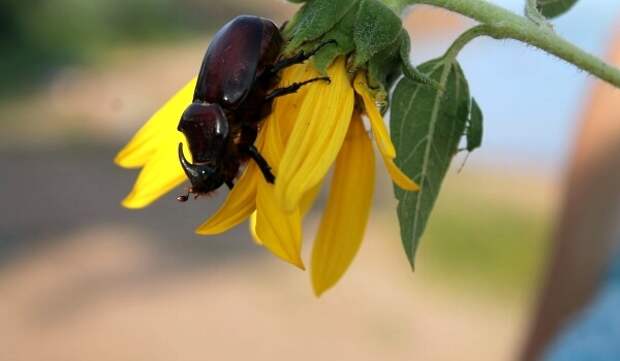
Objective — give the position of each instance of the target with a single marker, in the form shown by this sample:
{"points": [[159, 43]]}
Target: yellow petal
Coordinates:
{"points": [[399, 177], [317, 136], [376, 120], [253, 229], [161, 174], [240, 202], [382, 138], [307, 201], [277, 230], [148, 139], [287, 108], [344, 221], [238, 206]]}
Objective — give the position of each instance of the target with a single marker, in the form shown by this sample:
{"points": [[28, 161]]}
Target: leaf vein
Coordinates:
{"points": [[427, 152]]}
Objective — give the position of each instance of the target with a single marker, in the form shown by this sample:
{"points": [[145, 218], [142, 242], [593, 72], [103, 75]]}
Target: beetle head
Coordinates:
{"points": [[203, 177], [206, 129]]}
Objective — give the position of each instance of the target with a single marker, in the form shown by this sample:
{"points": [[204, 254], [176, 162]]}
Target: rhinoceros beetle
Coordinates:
{"points": [[234, 92]]}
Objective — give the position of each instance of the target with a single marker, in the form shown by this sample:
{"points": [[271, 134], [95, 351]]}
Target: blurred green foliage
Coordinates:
{"points": [[38, 36], [487, 241]]}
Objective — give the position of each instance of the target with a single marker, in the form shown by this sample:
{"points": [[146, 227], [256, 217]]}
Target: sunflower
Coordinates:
{"points": [[319, 126]]}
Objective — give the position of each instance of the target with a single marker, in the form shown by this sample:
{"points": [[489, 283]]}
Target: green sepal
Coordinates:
{"points": [[341, 34], [367, 32], [383, 67], [315, 19], [376, 28], [326, 56], [383, 70]]}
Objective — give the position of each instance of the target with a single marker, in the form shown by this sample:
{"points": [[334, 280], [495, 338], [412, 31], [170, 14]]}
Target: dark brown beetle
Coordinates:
{"points": [[234, 92]]}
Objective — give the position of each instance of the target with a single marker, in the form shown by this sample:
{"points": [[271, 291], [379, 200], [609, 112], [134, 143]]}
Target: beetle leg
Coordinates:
{"points": [[299, 58], [293, 88], [184, 197], [262, 164]]}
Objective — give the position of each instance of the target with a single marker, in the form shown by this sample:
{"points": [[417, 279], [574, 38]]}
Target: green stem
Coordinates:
{"points": [[505, 24], [468, 36]]}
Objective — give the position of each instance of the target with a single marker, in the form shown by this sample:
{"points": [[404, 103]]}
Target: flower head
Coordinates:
{"points": [[306, 134], [362, 48]]}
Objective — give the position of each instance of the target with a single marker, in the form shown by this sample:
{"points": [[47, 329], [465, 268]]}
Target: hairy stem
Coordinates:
{"points": [[502, 23], [468, 36]]}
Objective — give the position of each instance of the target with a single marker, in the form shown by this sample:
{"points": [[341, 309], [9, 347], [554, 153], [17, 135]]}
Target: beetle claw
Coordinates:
{"points": [[184, 197]]}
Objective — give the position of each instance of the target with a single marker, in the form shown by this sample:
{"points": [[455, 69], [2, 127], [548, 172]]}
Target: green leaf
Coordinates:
{"points": [[314, 19], [553, 8], [376, 28], [426, 126], [474, 127], [532, 13]]}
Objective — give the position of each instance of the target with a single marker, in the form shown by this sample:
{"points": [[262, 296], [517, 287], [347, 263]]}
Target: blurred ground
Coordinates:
{"points": [[257, 309], [85, 279]]}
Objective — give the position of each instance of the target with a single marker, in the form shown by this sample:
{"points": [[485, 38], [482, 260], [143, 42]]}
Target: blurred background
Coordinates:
{"points": [[81, 278]]}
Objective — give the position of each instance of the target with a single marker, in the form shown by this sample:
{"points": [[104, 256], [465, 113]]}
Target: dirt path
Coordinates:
{"points": [[98, 296]]}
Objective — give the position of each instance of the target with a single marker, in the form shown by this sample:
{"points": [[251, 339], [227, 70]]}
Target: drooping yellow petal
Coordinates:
{"points": [[317, 135], [252, 226], [161, 174], [238, 206], [344, 220], [399, 177], [376, 120], [240, 202], [276, 230], [382, 138], [161, 125]]}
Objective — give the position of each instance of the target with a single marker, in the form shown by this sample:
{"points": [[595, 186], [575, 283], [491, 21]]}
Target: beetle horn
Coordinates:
{"points": [[190, 169]]}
